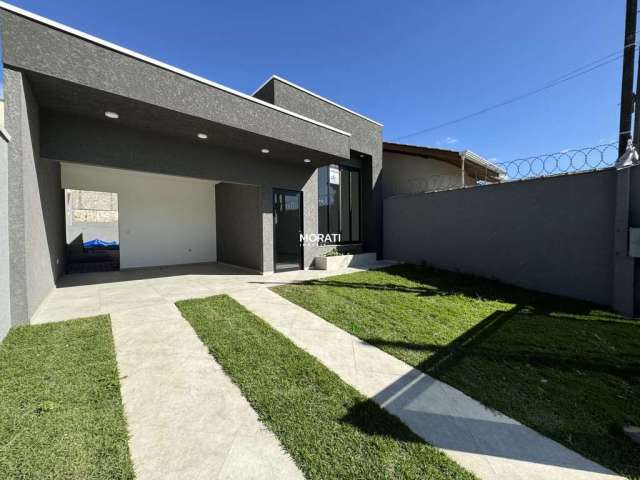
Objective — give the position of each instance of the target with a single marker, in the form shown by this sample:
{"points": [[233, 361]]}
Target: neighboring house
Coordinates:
{"points": [[414, 169], [202, 172]]}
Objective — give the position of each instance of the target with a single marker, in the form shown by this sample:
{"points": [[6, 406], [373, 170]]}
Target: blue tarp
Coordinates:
{"points": [[96, 242]]}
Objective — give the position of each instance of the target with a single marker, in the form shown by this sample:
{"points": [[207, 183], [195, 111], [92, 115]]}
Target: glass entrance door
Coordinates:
{"points": [[287, 227]]}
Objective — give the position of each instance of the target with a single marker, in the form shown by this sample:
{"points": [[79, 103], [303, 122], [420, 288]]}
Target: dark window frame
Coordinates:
{"points": [[339, 208]]}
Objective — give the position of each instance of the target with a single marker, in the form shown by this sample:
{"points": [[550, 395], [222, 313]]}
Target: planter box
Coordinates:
{"points": [[344, 261]]}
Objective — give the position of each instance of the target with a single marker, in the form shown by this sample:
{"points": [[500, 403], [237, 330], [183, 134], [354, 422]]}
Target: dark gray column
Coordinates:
{"points": [[238, 225], [623, 295], [634, 221]]}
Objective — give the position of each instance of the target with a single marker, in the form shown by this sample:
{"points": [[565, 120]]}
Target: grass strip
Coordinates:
{"points": [[61, 414], [568, 369], [328, 428]]}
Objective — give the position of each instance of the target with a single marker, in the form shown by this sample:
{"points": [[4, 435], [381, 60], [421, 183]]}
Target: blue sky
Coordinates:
{"points": [[407, 64]]}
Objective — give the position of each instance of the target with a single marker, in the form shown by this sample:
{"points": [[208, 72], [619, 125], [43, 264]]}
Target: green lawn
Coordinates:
{"points": [[328, 428], [60, 409], [566, 368]]}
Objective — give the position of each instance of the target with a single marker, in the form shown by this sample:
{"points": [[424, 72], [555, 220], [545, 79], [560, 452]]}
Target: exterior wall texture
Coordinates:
{"points": [[5, 293], [35, 47], [36, 204], [553, 235], [238, 225]]}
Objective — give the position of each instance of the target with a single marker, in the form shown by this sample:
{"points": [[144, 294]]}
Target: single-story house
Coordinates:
{"points": [[202, 172]]}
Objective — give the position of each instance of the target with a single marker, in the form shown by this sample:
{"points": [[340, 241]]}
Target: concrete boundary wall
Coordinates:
{"points": [[552, 234]]}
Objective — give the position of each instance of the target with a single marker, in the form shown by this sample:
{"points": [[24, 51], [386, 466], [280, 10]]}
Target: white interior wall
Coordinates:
{"points": [[163, 220]]}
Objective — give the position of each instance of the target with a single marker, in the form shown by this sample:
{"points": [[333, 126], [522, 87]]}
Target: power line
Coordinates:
{"points": [[584, 69]]}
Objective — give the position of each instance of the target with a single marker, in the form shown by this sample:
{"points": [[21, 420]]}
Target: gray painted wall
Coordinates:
{"points": [[5, 294], [36, 204], [553, 235], [17, 124], [238, 226], [634, 221]]}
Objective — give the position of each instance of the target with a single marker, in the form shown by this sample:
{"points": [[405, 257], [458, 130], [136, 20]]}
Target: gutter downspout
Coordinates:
{"points": [[463, 156]]}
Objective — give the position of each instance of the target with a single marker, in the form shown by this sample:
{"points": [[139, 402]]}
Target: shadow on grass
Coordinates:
{"points": [[471, 342], [505, 361], [434, 282], [442, 417], [361, 416]]}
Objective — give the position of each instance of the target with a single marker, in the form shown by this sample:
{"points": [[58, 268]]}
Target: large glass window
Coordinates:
{"points": [[339, 202]]}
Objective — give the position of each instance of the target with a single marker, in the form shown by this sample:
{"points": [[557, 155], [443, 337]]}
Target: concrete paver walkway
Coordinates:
{"points": [[186, 418], [487, 443]]}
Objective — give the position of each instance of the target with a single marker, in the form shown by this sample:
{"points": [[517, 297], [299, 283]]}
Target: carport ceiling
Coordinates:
{"points": [[66, 97]]}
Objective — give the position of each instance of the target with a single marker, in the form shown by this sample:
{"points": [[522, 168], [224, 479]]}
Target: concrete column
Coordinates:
{"points": [[35, 204], [372, 179], [634, 221], [623, 298], [17, 124], [5, 294], [266, 204], [310, 216]]}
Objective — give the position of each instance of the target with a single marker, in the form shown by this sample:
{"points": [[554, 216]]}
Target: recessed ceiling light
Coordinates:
{"points": [[306, 160], [203, 136], [111, 114], [265, 150]]}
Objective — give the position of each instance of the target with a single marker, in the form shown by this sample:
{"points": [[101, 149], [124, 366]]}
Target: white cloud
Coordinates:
{"points": [[447, 141]]}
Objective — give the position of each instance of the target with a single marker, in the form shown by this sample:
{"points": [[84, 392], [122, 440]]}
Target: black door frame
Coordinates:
{"points": [[300, 231]]}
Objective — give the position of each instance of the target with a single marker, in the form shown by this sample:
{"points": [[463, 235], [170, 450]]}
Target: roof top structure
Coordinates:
{"points": [[474, 164]]}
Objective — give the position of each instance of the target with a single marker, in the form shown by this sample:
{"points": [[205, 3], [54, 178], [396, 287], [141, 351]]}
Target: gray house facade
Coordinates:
{"points": [[203, 172]]}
